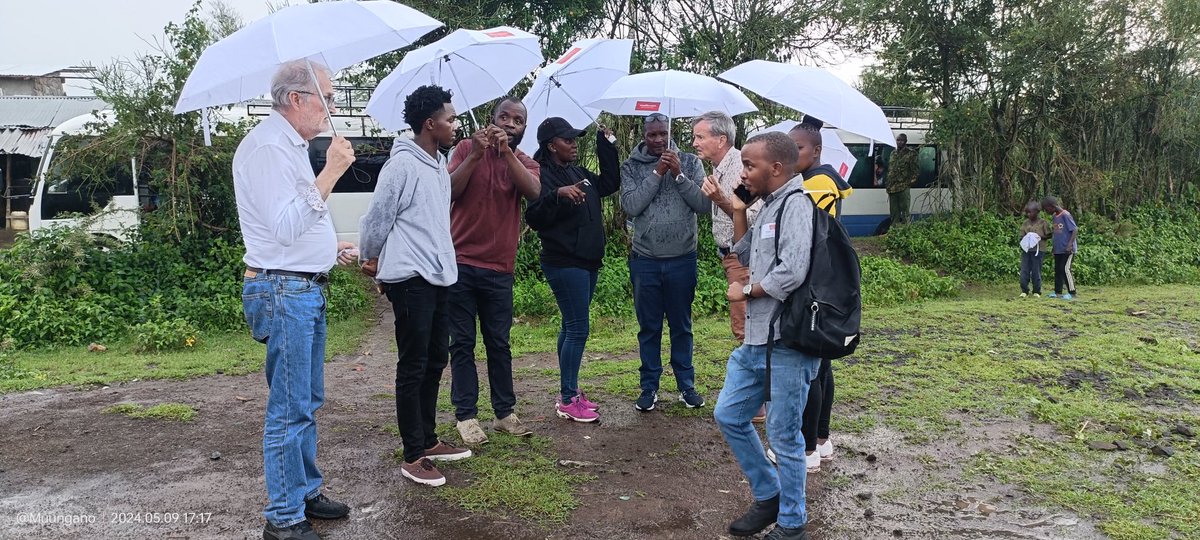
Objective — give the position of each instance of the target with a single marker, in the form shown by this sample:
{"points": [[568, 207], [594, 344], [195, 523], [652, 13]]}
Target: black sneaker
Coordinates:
{"points": [[299, 531], [760, 516], [784, 533], [646, 401], [692, 399], [321, 507]]}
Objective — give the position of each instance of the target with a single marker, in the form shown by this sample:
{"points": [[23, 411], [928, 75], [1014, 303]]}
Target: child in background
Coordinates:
{"points": [[1066, 235], [1034, 233]]}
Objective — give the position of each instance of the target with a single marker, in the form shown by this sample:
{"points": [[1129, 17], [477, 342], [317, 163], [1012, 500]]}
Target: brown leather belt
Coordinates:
{"points": [[320, 278]]}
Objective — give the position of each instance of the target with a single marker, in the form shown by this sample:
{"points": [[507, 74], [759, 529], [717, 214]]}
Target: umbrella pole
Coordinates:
{"points": [[458, 85], [572, 98], [324, 104]]}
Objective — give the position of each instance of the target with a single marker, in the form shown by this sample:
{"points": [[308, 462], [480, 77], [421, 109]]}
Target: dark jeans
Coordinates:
{"points": [[1062, 273], [488, 295], [819, 407], [573, 289], [1031, 269], [664, 287], [422, 341]]}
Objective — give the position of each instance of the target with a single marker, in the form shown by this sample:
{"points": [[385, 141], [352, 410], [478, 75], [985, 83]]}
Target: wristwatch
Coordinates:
{"points": [[747, 289]]}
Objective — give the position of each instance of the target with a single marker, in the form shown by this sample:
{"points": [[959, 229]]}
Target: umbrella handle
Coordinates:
{"points": [[324, 103]]}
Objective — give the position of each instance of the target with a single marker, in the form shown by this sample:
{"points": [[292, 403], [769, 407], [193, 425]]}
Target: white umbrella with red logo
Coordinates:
{"points": [[676, 94], [477, 66], [833, 151]]}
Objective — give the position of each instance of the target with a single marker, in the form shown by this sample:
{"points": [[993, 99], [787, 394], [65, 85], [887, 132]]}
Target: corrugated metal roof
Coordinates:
{"points": [[44, 111], [26, 142]]}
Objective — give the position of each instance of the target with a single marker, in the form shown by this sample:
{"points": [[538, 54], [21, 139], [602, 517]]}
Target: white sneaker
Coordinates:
{"points": [[1023, 295], [813, 461], [771, 455], [825, 450], [471, 433]]}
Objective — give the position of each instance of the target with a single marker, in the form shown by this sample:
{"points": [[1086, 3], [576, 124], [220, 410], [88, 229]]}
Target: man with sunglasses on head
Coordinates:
{"points": [[290, 247], [661, 192]]}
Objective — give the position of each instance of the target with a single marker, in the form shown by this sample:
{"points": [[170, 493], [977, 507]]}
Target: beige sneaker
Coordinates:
{"points": [[471, 433], [511, 425]]}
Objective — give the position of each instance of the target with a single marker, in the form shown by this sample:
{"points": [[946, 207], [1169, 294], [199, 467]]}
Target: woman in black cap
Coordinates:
{"points": [[568, 219]]}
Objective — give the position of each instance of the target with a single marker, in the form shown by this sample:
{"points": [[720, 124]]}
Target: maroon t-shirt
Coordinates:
{"points": [[485, 218]]}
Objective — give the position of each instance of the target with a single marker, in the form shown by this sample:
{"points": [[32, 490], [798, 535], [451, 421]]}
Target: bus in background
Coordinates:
{"points": [[866, 211]]}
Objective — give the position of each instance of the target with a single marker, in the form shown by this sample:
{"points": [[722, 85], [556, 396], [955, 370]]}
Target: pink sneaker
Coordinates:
{"points": [[576, 411], [587, 403]]}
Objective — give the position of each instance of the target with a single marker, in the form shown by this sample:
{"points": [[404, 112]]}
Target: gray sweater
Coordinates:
{"points": [[663, 209], [408, 223]]}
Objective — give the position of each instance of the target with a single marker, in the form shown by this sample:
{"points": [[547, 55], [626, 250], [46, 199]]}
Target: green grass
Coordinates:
{"points": [[178, 412], [233, 353], [513, 476]]}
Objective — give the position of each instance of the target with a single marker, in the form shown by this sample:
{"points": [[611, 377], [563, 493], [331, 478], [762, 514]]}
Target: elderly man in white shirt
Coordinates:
{"points": [[290, 247]]}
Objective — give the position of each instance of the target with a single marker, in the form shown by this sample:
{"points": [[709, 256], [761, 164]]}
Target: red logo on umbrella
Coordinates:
{"points": [[650, 106], [499, 34], [842, 170], [568, 56]]}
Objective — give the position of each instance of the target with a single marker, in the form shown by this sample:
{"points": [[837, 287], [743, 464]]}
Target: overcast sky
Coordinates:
{"points": [[46, 35]]}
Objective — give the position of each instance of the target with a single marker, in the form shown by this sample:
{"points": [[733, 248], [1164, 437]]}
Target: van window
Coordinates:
{"points": [[370, 154], [862, 177], [84, 189]]}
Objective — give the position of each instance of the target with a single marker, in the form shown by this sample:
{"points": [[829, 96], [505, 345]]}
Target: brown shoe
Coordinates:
{"points": [[761, 416], [422, 472], [444, 451]]}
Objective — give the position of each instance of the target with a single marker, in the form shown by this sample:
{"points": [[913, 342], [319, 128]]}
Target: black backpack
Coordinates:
{"points": [[821, 318]]}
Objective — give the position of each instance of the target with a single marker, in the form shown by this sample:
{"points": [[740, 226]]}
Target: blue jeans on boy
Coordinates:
{"points": [[573, 289], [740, 399], [288, 314], [664, 287], [1031, 270]]}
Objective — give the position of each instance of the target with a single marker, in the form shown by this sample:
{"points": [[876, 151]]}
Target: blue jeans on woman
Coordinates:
{"points": [[573, 289], [664, 287], [745, 378], [288, 314]]}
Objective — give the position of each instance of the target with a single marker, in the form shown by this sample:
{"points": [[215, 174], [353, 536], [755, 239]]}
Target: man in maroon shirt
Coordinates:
{"points": [[488, 177]]}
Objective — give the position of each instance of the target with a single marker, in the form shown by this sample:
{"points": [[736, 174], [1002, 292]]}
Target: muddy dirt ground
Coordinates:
{"points": [[62, 458]]}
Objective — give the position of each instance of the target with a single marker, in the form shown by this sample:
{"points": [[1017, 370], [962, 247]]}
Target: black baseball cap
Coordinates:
{"points": [[556, 127]]}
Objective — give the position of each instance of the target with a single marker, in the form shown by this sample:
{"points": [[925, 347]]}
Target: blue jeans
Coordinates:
{"points": [[573, 289], [288, 314], [664, 287], [791, 374]]}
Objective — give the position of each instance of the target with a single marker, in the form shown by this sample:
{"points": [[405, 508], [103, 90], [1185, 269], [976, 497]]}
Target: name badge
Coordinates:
{"points": [[768, 230]]}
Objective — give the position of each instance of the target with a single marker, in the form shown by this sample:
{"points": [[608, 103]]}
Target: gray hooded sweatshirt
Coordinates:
{"points": [[408, 223], [663, 209]]}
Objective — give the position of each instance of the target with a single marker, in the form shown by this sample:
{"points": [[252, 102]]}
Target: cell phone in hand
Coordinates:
{"points": [[743, 194], [583, 183]]}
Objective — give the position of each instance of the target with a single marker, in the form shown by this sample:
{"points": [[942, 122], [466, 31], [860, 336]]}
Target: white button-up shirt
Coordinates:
{"points": [[729, 176], [285, 223]]}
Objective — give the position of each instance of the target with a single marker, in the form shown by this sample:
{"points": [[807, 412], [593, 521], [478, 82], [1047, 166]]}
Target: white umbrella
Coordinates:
{"points": [[673, 93], [477, 66], [833, 151], [815, 92], [336, 34], [579, 76]]}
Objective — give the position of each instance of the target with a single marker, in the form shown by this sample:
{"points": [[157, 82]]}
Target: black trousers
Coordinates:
{"points": [[422, 341], [819, 407], [1062, 273], [486, 296]]}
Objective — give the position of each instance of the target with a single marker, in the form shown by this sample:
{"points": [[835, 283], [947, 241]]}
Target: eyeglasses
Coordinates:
{"points": [[328, 99], [656, 117]]}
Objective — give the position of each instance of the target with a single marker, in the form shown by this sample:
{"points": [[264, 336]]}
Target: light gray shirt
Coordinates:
{"points": [[285, 222], [756, 249]]}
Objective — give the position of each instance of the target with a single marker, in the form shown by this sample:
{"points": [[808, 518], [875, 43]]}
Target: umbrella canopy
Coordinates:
{"points": [[833, 150], [816, 92], [336, 34], [477, 66], [579, 76], [676, 94]]}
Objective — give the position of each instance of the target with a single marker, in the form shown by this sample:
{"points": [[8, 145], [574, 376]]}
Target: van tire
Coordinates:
{"points": [[883, 227]]}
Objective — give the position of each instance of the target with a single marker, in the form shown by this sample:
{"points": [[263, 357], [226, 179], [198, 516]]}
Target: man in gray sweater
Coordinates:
{"points": [[660, 190], [406, 242]]}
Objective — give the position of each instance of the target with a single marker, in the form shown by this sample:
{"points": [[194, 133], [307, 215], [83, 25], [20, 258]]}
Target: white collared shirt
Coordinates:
{"points": [[285, 222], [729, 176]]}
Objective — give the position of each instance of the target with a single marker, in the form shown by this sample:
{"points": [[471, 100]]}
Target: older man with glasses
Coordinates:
{"points": [[660, 190]]}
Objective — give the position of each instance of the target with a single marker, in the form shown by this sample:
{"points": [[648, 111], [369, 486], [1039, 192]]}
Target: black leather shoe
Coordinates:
{"points": [[760, 516], [299, 531], [321, 507], [784, 533]]}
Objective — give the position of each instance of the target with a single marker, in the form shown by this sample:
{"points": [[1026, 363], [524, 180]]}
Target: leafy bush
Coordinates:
{"points": [[169, 335], [887, 282], [1148, 245], [63, 287]]}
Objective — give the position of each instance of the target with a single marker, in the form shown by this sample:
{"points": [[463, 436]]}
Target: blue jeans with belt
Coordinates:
{"points": [[288, 314]]}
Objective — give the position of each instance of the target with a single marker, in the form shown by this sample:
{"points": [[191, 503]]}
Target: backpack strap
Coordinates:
{"points": [[779, 310]]}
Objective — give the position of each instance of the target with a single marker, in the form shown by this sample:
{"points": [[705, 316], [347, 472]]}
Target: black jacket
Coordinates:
{"points": [[574, 235]]}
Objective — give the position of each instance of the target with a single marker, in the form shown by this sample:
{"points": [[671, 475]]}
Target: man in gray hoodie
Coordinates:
{"points": [[660, 190], [405, 239]]}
